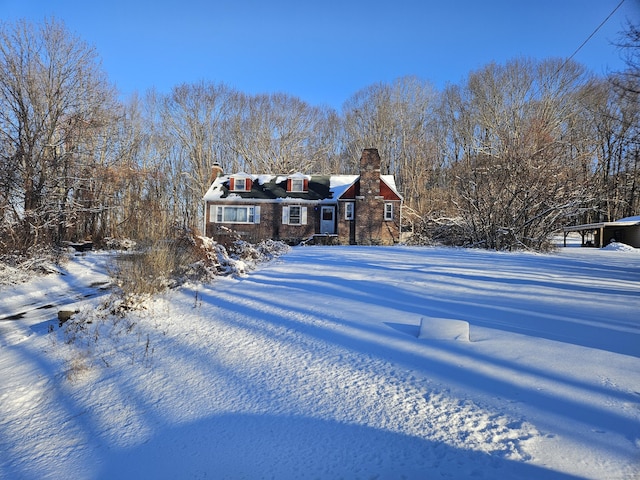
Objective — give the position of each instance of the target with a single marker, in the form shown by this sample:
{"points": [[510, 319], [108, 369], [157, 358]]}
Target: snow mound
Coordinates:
{"points": [[620, 247], [443, 329]]}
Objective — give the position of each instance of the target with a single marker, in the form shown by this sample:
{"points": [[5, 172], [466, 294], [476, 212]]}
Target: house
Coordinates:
{"points": [[362, 209], [625, 230]]}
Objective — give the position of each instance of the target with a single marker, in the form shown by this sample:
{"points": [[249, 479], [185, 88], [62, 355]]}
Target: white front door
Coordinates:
{"points": [[327, 220]]}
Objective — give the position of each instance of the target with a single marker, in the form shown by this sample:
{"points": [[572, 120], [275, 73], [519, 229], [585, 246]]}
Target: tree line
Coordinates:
{"points": [[500, 160]]}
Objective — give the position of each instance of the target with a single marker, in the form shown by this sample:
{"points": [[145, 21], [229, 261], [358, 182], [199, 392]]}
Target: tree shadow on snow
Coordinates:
{"points": [[279, 310], [262, 446]]}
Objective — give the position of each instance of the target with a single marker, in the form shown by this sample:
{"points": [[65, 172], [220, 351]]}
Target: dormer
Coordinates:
{"points": [[240, 182], [298, 183]]}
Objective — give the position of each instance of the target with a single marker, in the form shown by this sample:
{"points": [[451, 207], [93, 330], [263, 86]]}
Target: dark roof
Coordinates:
{"points": [[268, 187], [318, 189]]}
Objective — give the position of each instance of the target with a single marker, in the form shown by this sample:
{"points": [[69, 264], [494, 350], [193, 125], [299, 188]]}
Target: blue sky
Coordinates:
{"points": [[325, 51]]}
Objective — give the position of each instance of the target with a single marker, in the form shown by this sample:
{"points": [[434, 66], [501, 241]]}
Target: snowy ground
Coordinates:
{"points": [[312, 367]]}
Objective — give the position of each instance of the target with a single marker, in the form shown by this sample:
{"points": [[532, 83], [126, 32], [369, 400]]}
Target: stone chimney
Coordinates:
{"points": [[369, 203], [370, 173], [216, 171]]}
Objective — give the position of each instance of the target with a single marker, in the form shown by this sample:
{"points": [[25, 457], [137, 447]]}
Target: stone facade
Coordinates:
{"points": [[371, 226]]}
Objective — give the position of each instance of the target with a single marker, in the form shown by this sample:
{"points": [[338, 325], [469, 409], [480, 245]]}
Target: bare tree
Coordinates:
{"points": [[192, 123], [629, 45], [514, 184], [400, 119], [53, 96], [281, 133]]}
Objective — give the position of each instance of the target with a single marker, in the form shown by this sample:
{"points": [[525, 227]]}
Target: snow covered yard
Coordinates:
{"points": [[312, 367]]}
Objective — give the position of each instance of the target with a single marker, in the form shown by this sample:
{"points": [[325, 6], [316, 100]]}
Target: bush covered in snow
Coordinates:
{"points": [[119, 243], [187, 257], [460, 232], [236, 259], [19, 268]]}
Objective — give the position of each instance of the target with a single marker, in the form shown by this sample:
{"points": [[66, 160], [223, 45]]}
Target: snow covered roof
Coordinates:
{"points": [[390, 180], [635, 220], [268, 187], [623, 222], [339, 184], [271, 188]]}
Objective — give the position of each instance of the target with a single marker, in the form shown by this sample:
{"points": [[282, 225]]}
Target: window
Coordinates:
{"points": [[240, 184], [294, 215], [297, 185], [348, 211], [237, 214], [388, 211]]}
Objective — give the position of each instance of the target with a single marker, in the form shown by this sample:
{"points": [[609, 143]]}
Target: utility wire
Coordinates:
{"points": [[564, 64], [589, 37]]}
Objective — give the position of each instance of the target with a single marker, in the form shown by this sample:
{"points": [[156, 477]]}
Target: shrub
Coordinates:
{"points": [[187, 257]]}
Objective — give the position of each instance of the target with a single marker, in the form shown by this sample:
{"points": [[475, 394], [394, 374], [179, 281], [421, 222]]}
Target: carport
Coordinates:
{"points": [[626, 230]]}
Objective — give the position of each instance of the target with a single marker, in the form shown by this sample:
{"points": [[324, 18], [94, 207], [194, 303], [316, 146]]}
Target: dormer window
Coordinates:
{"points": [[240, 183], [297, 183]]}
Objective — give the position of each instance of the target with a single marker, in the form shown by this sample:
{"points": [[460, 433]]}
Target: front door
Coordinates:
{"points": [[327, 220]]}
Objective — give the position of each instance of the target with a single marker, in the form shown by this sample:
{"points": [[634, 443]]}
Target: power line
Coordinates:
{"points": [[564, 64], [590, 37]]}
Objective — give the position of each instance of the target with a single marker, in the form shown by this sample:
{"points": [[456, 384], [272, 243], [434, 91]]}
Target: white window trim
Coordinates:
{"points": [[388, 211], [300, 182], [252, 214], [244, 184], [349, 210]]}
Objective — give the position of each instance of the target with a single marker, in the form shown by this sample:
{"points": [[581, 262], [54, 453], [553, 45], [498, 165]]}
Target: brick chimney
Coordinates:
{"points": [[216, 171]]}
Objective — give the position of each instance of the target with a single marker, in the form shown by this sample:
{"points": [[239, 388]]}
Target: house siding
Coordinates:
{"points": [[270, 225], [345, 229]]}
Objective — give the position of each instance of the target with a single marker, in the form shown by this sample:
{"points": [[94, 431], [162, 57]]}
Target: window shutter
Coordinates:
{"points": [[285, 215], [288, 184], [303, 215], [306, 185], [232, 182], [248, 183], [215, 213], [256, 214]]}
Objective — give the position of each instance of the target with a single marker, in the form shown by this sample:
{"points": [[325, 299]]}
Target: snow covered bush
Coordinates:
{"points": [[188, 258], [119, 243], [438, 231], [19, 267], [237, 259], [464, 231]]}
